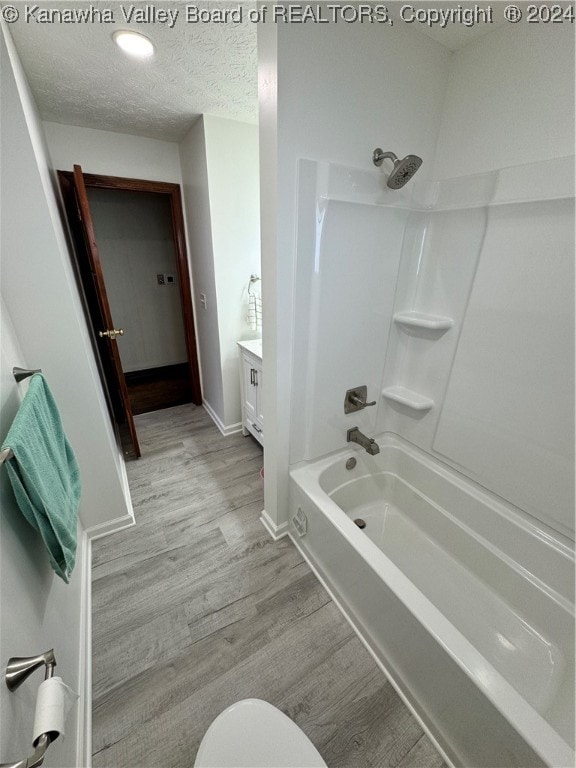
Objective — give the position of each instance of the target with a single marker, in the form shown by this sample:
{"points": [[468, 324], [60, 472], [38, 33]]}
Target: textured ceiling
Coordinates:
{"points": [[80, 77]]}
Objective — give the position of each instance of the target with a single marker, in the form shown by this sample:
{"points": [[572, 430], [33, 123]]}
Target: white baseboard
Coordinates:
{"points": [[104, 529], [84, 728], [118, 523], [232, 429], [124, 479], [275, 531]]}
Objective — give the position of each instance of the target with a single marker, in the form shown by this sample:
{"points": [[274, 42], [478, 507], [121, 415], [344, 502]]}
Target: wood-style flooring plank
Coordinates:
{"points": [[135, 651], [422, 754], [196, 607]]}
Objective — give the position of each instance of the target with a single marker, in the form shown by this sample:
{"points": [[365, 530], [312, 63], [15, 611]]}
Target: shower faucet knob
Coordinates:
{"points": [[355, 399]]}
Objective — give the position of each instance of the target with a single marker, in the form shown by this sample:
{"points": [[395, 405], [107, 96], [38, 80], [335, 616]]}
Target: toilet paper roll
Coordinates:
{"points": [[53, 704]]}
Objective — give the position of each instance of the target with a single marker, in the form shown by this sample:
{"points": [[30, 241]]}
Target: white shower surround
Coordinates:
{"points": [[467, 607], [489, 260], [495, 495]]}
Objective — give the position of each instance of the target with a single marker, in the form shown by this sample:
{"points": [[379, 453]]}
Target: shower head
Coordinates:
{"points": [[403, 169]]}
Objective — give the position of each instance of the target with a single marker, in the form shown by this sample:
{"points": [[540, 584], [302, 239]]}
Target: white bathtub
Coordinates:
{"points": [[466, 604]]}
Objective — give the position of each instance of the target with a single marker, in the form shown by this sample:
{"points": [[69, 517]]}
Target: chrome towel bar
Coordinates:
{"points": [[24, 373], [19, 374]]}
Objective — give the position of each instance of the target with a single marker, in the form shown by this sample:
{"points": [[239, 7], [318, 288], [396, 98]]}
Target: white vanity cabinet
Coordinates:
{"points": [[251, 388]]}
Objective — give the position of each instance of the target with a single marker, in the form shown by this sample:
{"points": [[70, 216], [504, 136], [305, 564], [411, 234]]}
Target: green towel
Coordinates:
{"points": [[45, 475]]}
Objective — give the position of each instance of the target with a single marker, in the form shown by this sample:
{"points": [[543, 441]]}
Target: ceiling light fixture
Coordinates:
{"points": [[134, 43]]}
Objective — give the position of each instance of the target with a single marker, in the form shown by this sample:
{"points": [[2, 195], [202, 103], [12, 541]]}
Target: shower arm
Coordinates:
{"points": [[379, 156]]}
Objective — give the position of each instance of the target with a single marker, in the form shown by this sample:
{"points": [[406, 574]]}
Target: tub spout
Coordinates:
{"points": [[369, 444]]}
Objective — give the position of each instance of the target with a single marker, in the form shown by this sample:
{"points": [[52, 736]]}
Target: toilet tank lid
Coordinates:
{"points": [[254, 734]]}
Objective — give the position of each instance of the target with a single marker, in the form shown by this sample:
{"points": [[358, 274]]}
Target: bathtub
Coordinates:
{"points": [[466, 604]]}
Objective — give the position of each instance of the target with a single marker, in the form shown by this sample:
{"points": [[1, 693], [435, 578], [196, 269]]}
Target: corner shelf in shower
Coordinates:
{"points": [[423, 320], [408, 398]]}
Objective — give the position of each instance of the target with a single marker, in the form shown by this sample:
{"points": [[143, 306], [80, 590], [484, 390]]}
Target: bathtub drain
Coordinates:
{"points": [[360, 523]]}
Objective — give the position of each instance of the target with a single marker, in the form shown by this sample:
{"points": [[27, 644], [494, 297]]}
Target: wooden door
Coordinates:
{"points": [[82, 227]]}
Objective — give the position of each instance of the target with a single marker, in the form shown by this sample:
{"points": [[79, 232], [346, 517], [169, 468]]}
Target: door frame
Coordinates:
{"points": [[172, 191]]}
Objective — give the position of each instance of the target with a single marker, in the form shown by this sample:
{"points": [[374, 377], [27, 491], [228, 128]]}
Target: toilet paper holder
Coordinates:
{"points": [[21, 667], [18, 670]]}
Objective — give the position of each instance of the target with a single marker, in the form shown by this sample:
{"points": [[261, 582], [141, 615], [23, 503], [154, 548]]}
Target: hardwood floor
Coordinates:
{"points": [[196, 607], [157, 388]]}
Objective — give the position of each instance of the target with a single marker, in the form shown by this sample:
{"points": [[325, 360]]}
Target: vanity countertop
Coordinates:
{"points": [[253, 345]]}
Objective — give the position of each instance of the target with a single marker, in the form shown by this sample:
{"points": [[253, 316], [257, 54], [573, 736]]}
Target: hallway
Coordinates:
{"points": [[196, 607]]}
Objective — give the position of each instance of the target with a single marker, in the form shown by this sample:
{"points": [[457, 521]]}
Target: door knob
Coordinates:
{"points": [[112, 333]]}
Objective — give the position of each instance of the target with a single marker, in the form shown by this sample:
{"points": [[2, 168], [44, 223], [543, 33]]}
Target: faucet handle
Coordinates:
{"points": [[355, 399]]}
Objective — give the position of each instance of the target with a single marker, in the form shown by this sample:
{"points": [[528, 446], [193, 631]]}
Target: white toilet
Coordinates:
{"points": [[254, 734]]}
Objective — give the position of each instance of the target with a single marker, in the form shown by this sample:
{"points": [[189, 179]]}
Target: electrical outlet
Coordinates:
{"points": [[161, 280], [203, 300]]}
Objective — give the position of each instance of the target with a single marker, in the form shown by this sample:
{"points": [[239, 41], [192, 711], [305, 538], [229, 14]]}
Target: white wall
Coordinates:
{"points": [[343, 89], [112, 154], [221, 183], [510, 100], [136, 243], [233, 182], [43, 326], [197, 215], [273, 365], [39, 611], [39, 290]]}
